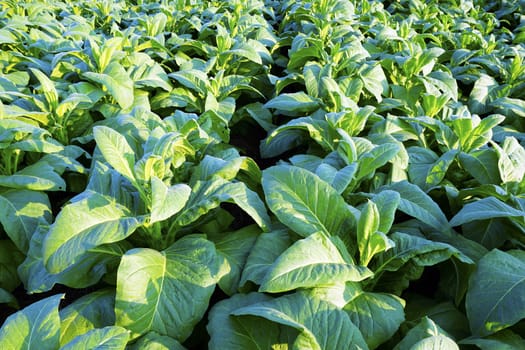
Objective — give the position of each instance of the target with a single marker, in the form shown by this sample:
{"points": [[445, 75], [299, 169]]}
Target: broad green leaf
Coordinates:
{"points": [[117, 81], [419, 205], [149, 74], [242, 332], [437, 171], [503, 340], [94, 93], [299, 56], [107, 181], [227, 169], [245, 50], [339, 179], [375, 158], [375, 81], [312, 74], [433, 103], [261, 115], [111, 337], [305, 203], [307, 161], [286, 137], [491, 233], [296, 102], [481, 165], [66, 160], [223, 110], [486, 208], [234, 248], [494, 303], [167, 201], [426, 169], [507, 104], [321, 324], [106, 53], [208, 195], [35, 327], [193, 79], [421, 251], [87, 272], [422, 62], [441, 83], [92, 220], [116, 150], [310, 262], [167, 292], [21, 211], [267, 248], [377, 315], [95, 310], [481, 134], [38, 142], [326, 172], [6, 37], [155, 341], [408, 258], [235, 84], [72, 102], [338, 294], [344, 177], [37, 177], [426, 335]]}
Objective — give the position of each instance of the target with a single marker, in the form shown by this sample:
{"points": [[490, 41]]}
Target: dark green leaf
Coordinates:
{"points": [[241, 332], [494, 303], [418, 204], [377, 315], [486, 208], [234, 248], [267, 248], [482, 165], [417, 249]]}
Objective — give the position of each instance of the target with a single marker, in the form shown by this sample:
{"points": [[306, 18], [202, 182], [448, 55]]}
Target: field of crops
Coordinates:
{"points": [[257, 174]]}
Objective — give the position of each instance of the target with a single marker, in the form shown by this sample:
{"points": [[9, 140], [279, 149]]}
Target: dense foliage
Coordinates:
{"points": [[323, 174]]}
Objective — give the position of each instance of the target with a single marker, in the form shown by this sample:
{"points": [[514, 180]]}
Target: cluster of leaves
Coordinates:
{"points": [[322, 174]]}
